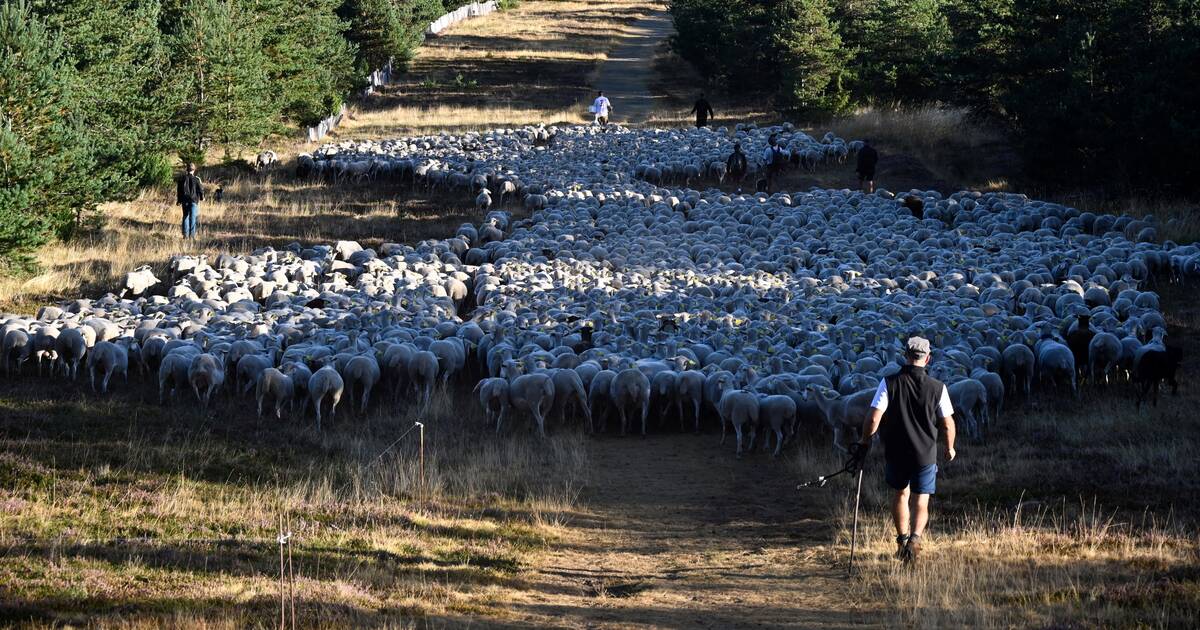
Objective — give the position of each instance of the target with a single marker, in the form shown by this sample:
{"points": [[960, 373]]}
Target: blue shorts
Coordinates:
{"points": [[921, 479]]}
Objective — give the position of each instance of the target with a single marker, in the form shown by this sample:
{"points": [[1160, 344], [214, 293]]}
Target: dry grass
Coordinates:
{"points": [[530, 65], [120, 512]]}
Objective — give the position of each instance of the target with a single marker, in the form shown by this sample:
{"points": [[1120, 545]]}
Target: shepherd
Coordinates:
{"points": [[703, 111], [188, 194], [907, 410], [868, 157], [736, 164]]}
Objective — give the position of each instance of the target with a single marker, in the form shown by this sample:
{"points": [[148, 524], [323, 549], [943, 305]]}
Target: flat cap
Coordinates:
{"points": [[918, 346]]}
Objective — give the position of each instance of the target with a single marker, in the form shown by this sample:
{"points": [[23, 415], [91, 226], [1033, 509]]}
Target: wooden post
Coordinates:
{"points": [[291, 574], [421, 457], [282, 590]]}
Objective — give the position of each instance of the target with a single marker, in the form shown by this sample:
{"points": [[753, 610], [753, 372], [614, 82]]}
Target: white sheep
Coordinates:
{"points": [[325, 384], [205, 374], [276, 385], [108, 358]]}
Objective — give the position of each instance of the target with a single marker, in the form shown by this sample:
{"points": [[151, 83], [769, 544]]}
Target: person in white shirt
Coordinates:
{"points": [[601, 107], [908, 410]]}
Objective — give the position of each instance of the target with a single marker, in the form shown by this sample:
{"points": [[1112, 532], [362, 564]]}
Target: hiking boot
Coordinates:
{"points": [[901, 546], [912, 549]]}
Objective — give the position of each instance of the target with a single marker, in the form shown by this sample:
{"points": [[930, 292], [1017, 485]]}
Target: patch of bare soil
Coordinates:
{"points": [[674, 532]]}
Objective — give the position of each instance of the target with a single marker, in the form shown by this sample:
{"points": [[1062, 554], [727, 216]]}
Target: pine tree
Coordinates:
{"points": [[378, 31], [221, 72], [900, 47], [120, 63], [46, 176], [811, 57], [310, 61]]}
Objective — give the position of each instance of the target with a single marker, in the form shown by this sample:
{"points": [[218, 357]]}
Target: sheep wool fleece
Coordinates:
{"points": [[909, 426]]}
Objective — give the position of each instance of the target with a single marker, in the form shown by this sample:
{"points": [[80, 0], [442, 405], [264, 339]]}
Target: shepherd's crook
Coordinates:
{"points": [[854, 530]]}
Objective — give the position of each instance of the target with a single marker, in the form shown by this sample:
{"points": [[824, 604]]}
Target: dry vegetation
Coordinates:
{"points": [[124, 513]]}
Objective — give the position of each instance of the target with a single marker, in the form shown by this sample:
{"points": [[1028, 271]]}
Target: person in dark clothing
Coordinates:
{"points": [[736, 165], [868, 157], [703, 111], [915, 206], [188, 194], [1079, 341], [906, 411]]}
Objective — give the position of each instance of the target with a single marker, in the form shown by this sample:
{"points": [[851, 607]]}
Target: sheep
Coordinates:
{"points": [[739, 408], [45, 342], [630, 394], [423, 373], [276, 385], [361, 371], [569, 391], [483, 201], [139, 281], [600, 399], [994, 386], [1056, 362], [173, 373], [970, 400], [249, 369], [205, 375], [531, 393], [1154, 363], [16, 349], [266, 160], [109, 358], [493, 397], [690, 392], [1018, 368], [776, 412], [1104, 353], [325, 384]]}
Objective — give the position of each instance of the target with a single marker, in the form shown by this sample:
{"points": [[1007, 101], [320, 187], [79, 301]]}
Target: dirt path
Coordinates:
{"points": [[628, 73], [674, 532]]}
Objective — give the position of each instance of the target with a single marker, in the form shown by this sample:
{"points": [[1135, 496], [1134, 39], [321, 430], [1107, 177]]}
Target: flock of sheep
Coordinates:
{"points": [[626, 296]]}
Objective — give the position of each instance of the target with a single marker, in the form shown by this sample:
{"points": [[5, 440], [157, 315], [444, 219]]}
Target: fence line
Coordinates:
{"points": [[383, 76], [461, 14]]}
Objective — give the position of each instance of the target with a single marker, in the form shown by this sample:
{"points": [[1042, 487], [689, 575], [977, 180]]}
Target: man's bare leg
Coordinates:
{"points": [[900, 516]]}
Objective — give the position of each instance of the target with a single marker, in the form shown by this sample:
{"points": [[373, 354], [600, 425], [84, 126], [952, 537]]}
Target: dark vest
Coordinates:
{"points": [[909, 427]]}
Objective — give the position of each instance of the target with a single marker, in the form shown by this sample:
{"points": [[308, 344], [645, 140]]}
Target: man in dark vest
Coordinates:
{"points": [[907, 411]]}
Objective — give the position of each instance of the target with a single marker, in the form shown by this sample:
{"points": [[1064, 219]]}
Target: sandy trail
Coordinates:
{"points": [[626, 76], [674, 532]]}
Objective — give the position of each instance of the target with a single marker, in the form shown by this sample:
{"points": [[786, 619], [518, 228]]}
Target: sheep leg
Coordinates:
{"points": [[723, 429], [317, 408], [624, 420], [737, 428], [778, 442], [645, 414], [104, 384], [336, 397], [540, 419]]}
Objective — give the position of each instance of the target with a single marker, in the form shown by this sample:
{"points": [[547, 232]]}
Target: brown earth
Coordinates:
{"points": [[674, 532]]}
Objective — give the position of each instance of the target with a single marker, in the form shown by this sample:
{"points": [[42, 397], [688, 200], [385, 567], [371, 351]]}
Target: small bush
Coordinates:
{"points": [[155, 171]]}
